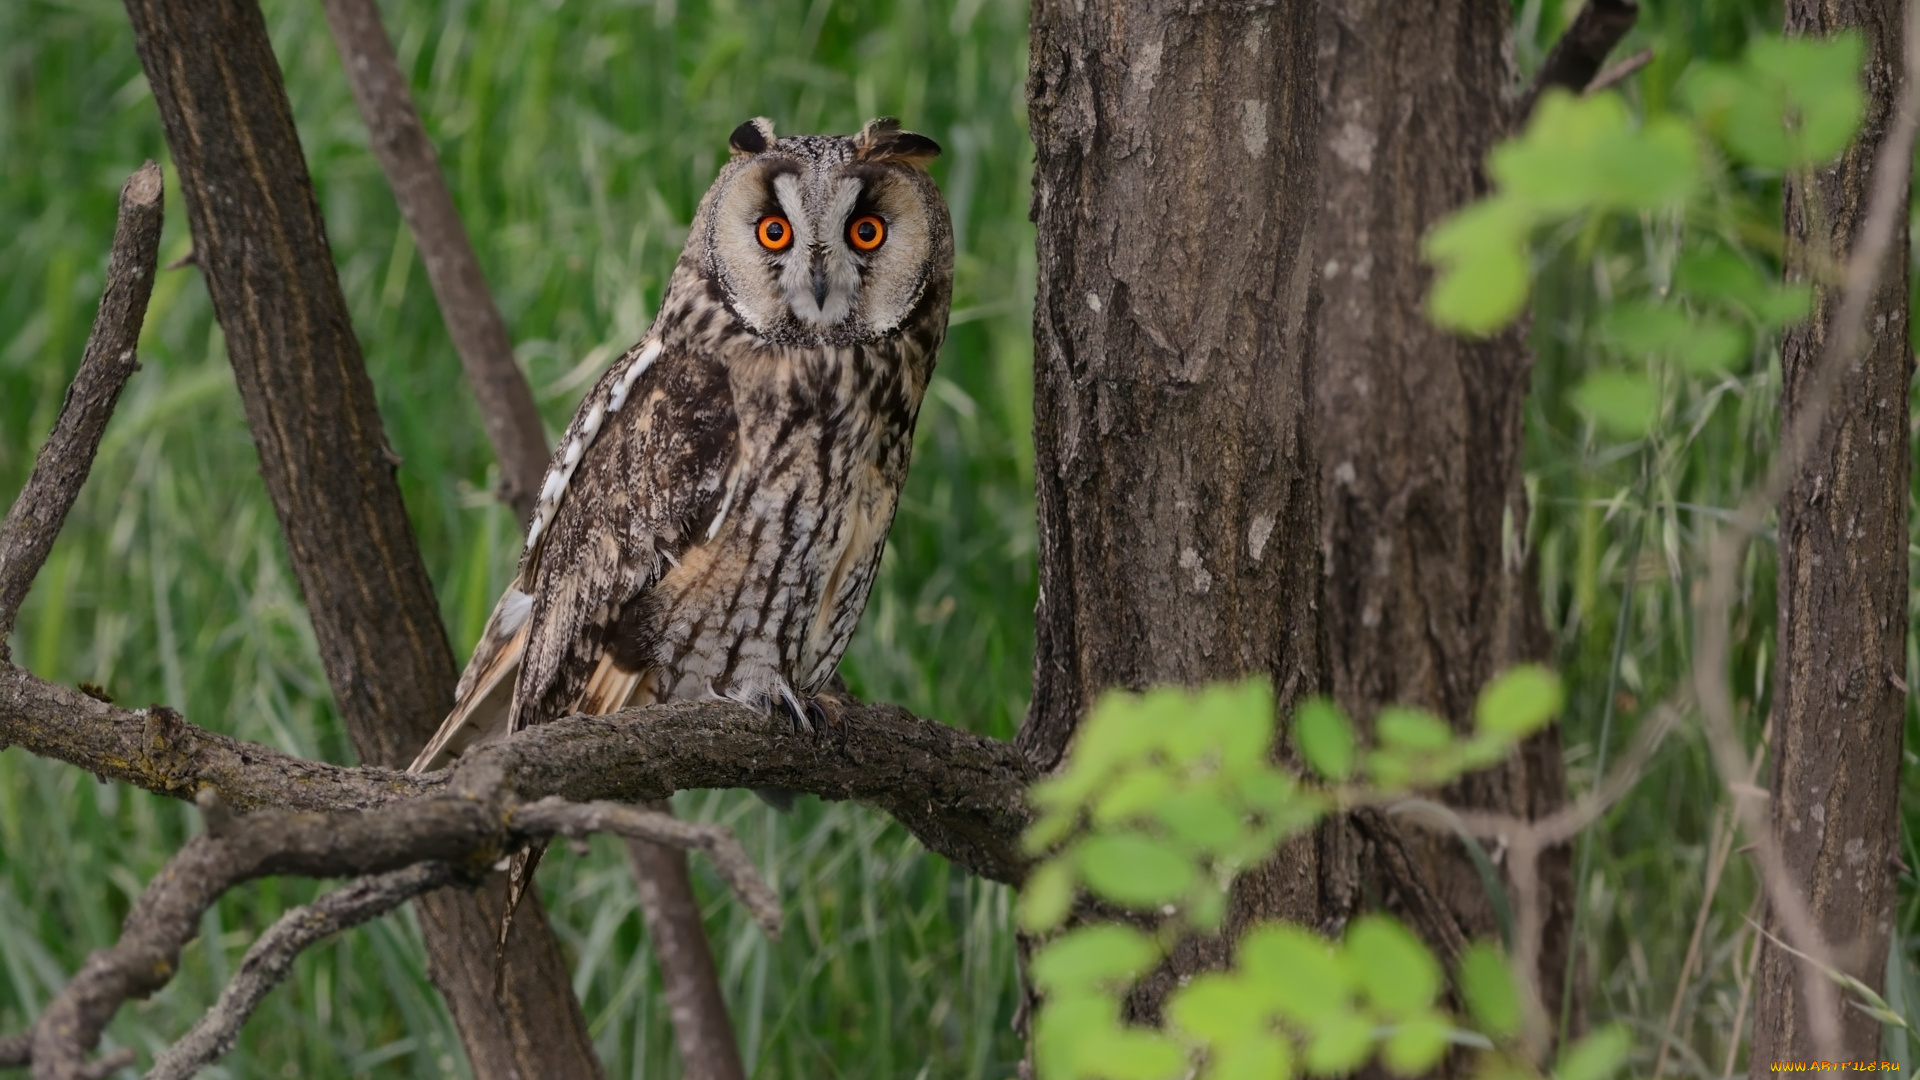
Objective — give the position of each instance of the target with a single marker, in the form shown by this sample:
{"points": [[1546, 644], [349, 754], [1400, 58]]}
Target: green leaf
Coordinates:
{"points": [[1624, 404], [1412, 729], [1201, 819], [1339, 1044], [1492, 999], [1416, 1045], [1134, 870], [1234, 722], [1783, 305], [1102, 955], [1136, 792], [1595, 1057], [1791, 102], [1714, 346], [1049, 829], [1398, 974], [1217, 1008], [1717, 274], [1702, 344], [1325, 739], [1067, 1027], [1584, 153], [1821, 78], [1519, 701], [1135, 1054], [1481, 253], [1046, 897], [1296, 972], [1258, 1057]]}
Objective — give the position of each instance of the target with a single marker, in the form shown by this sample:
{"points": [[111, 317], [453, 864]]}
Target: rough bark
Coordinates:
{"points": [[33, 521], [260, 242], [1839, 693], [1418, 432], [1174, 193]]}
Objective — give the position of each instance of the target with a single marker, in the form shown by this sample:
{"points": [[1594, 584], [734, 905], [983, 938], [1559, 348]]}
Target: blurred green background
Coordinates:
{"points": [[577, 138]]}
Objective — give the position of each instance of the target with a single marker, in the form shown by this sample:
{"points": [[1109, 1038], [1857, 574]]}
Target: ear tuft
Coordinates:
{"points": [[882, 140], [753, 137]]}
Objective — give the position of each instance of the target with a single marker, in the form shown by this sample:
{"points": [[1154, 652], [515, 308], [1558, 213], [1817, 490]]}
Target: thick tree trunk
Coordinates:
{"points": [[260, 242], [1419, 434], [1839, 693], [1174, 191]]}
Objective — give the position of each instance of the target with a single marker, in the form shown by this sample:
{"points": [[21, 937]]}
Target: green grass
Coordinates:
{"points": [[577, 138]]}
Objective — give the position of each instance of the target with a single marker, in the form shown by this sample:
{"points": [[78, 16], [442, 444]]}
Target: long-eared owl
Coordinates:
{"points": [[713, 516]]}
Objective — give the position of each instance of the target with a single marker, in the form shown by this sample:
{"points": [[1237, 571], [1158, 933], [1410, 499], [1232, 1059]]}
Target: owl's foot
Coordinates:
{"points": [[813, 714]]}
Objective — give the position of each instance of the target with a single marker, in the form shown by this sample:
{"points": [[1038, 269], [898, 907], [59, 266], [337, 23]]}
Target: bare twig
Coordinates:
{"points": [[407, 157], [1619, 71], [270, 959], [61, 468], [1721, 849], [554, 815], [1577, 56]]}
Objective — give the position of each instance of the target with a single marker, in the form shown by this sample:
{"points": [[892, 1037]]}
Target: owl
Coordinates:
{"points": [[712, 519]]}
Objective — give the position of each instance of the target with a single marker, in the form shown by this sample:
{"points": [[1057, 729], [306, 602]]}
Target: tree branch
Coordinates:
{"points": [[456, 833], [412, 169], [1577, 56], [270, 959], [61, 468], [963, 795]]}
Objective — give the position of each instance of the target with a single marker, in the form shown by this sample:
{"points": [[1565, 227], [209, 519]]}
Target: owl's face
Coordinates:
{"points": [[827, 239]]}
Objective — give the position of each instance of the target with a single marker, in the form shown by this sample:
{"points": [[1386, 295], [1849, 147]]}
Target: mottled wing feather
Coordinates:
{"points": [[486, 686], [649, 476]]}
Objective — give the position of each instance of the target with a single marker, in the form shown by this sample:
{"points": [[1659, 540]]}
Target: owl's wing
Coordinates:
{"points": [[644, 474], [486, 686], [640, 474]]}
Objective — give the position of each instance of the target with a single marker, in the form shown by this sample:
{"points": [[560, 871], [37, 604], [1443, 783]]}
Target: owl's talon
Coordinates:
{"points": [[824, 710], [797, 715]]}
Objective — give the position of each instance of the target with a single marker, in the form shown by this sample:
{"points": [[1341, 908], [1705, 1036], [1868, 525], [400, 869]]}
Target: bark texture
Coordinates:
{"points": [[1174, 193], [260, 242], [1418, 432], [1839, 694]]}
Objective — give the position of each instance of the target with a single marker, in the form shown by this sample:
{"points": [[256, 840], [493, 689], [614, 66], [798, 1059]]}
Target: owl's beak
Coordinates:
{"points": [[819, 278]]}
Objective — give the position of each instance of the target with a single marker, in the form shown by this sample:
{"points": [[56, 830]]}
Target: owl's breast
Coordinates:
{"points": [[769, 599]]}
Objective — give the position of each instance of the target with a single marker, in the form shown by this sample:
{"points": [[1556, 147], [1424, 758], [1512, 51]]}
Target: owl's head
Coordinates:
{"points": [[826, 238]]}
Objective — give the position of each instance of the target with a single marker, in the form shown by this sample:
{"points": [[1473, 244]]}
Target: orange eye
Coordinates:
{"points": [[775, 234], [867, 233]]}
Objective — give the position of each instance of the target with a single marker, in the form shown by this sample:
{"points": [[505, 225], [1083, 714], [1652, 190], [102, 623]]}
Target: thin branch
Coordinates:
{"points": [[34, 520], [689, 980], [463, 830], [557, 816], [479, 335], [270, 959], [1577, 56], [963, 795], [1620, 71]]}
